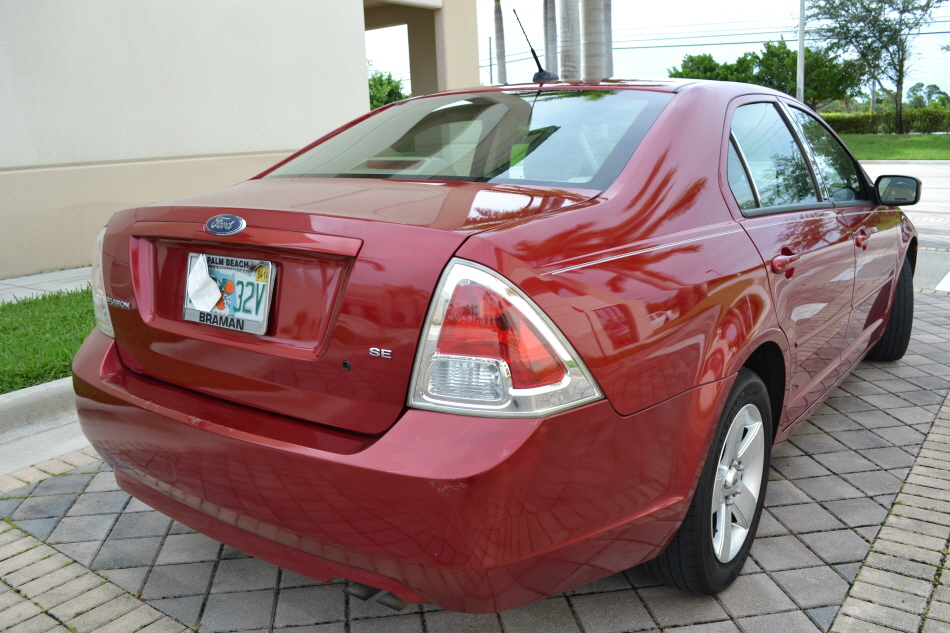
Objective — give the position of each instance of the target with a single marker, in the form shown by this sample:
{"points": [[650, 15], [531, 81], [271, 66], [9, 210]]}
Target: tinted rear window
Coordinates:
{"points": [[577, 138]]}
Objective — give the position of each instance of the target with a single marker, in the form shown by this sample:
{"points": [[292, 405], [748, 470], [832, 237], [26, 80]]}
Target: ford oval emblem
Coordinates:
{"points": [[225, 225]]}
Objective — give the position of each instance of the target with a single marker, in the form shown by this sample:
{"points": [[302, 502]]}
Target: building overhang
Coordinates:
{"points": [[421, 4]]}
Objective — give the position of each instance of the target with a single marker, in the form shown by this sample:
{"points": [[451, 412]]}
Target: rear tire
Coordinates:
{"points": [[893, 343], [711, 546]]}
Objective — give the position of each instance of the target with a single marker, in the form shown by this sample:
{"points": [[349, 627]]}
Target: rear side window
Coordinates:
{"points": [[546, 137], [834, 163], [776, 164], [739, 181]]}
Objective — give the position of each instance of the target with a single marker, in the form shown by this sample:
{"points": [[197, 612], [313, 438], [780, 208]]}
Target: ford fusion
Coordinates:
{"points": [[481, 347]]}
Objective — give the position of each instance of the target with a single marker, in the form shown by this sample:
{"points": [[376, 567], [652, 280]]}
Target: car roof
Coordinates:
{"points": [[673, 85]]}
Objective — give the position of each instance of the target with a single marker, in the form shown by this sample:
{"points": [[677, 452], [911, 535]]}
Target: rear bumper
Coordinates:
{"points": [[473, 514]]}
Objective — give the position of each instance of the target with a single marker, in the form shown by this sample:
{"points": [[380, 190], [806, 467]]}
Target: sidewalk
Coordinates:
{"points": [[44, 283], [854, 538]]}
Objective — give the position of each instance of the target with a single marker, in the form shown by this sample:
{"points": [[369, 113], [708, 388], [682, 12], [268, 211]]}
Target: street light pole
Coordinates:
{"points": [[800, 75]]}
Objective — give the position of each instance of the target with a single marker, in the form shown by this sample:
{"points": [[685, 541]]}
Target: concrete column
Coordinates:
{"points": [[422, 53], [443, 43], [456, 36]]}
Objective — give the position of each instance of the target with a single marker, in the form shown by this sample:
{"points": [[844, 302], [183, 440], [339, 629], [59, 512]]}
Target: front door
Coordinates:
{"points": [[876, 231]]}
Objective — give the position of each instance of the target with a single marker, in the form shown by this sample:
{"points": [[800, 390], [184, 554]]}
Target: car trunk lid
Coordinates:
{"points": [[355, 265]]}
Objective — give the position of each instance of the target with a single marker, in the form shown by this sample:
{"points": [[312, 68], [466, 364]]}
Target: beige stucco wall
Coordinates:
{"points": [[105, 103], [456, 32], [107, 80], [51, 216]]}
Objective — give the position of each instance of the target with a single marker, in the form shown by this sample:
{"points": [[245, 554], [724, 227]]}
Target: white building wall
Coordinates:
{"points": [[106, 80], [89, 87]]}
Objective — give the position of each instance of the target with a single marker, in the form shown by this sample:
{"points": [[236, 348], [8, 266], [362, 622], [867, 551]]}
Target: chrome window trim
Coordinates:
{"points": [[745, 167], [816, 182], [817, 173]]}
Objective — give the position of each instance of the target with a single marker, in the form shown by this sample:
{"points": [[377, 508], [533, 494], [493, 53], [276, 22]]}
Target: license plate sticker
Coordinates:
{"points": [[246, 286]]}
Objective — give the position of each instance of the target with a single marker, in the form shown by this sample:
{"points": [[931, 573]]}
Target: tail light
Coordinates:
{"points": [[487, 349], [100, 302]]}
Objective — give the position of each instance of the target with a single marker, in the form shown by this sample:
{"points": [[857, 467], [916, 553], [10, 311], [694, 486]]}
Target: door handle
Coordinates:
{"points": [[781, 263], [861, 238]]}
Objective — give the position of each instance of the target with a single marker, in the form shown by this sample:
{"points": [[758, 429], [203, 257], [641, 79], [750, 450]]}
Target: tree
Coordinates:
{"points": [[706, 67], [915, 96], [878, 33], [935, 96], [608, 38], [550, 35], [920, 96], [384, 89], [827, 78], [570, 39], [775, 67], [592, 20], [500, 44]]}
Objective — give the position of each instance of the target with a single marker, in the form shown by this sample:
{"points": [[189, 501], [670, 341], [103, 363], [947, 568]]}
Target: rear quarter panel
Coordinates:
{"points": [[654, 283]]}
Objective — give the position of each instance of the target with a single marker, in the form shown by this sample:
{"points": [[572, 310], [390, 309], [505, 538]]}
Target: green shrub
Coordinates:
{"points": [[921, 120], [927, 120]]}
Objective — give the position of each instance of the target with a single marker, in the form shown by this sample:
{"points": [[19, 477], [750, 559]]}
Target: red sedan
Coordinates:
{"points": [[482, 347]]}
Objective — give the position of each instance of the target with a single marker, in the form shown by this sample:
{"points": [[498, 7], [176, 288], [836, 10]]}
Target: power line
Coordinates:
{"points": [[627, 48], [778, 31]]}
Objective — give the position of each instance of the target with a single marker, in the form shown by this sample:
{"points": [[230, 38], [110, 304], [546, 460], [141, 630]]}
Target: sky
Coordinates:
{"points": [[649, 40]]}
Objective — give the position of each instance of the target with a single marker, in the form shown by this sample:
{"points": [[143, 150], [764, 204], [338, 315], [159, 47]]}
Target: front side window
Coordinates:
{"points": [[774, 159], [548, 137], [834, 162]]}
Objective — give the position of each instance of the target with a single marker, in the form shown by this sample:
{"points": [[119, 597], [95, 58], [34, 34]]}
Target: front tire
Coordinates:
{"points": [[711, 546], [893, 343]]}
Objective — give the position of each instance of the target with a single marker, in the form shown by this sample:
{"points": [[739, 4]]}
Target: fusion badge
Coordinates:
{"points": [[225, 225]]}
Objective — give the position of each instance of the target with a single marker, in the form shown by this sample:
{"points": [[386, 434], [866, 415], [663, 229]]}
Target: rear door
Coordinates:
{"points": [[876, 230], [803, 240]]}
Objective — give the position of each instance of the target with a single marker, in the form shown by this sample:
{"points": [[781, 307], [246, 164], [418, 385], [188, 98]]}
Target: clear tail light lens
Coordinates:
{"points": [[487, 349], [100, 304]]}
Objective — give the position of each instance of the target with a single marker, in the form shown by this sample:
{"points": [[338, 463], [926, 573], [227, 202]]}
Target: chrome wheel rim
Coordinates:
{"points": [[738, 484]]}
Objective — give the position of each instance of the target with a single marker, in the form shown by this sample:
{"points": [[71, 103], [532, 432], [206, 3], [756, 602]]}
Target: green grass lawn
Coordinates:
{"points": [[899, 147], [40, 336]]}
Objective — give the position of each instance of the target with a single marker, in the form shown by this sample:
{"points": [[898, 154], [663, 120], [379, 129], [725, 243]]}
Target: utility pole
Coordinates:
{"points": [[800, 75], [491, 65]]}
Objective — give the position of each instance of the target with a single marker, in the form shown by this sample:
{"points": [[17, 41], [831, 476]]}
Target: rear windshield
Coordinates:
{"points": [[541, 137]]}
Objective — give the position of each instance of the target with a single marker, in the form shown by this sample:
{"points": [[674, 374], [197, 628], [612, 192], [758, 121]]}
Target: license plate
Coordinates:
{"points": [[246, 287]]}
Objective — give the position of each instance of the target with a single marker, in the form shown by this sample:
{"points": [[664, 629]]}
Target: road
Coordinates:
{"points": [[931, 216]]}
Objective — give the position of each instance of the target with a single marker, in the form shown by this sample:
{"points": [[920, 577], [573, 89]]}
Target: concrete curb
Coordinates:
{"points": [[36, 408], [38, 423]]}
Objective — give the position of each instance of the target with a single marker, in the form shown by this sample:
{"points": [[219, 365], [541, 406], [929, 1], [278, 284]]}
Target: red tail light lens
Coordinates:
{"points": [[480, 323], [488, 349]]}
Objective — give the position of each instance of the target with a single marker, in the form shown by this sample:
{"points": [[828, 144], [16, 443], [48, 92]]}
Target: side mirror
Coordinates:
{"points": [[897, 190]]}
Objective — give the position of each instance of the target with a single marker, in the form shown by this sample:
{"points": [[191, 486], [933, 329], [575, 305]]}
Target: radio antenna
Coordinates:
{"points": [[542, 75]]}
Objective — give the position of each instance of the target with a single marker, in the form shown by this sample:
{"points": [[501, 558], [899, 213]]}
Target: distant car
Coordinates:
{"points": [[482, 347]]}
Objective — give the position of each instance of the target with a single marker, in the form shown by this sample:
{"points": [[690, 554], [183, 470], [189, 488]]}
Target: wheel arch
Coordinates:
{"points": [[768, 362], [769, 357]]}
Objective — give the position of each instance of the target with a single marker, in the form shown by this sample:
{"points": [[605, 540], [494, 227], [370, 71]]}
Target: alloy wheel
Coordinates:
{"points": [[738, 483]]}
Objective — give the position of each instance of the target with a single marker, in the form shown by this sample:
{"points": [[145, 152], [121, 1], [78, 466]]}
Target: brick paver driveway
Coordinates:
{"points": [[843, 504]]}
